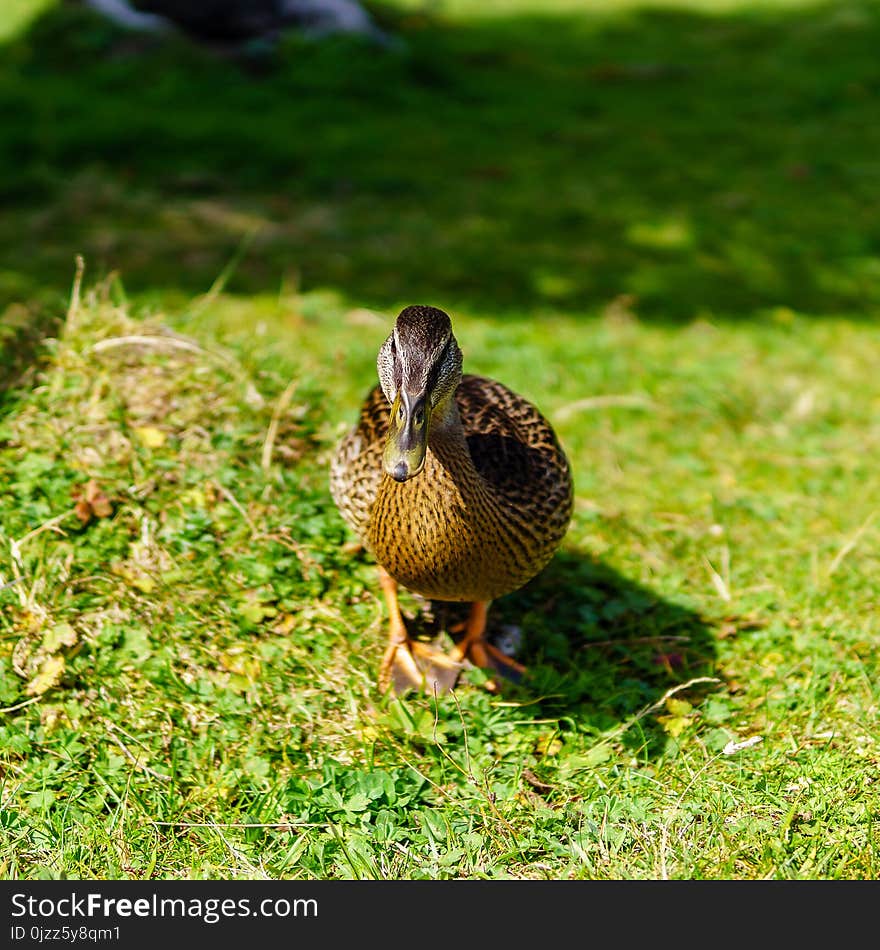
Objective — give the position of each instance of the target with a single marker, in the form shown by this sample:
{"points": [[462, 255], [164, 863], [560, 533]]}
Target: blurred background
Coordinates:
{"points": [[677, 160]]}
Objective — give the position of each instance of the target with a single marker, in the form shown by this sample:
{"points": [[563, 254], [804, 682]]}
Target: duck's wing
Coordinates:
{"points": [[517, 452], [356, 469]]}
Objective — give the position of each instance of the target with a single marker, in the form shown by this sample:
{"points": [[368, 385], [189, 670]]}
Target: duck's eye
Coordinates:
{"points": [[400, 413], [419, 417]]}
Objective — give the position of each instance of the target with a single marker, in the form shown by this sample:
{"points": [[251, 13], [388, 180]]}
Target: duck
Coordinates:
{"points": [[457, 487]]}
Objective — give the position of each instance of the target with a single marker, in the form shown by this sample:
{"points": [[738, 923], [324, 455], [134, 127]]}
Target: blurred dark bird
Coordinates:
{"points": [[240, 21], [456, 485]]}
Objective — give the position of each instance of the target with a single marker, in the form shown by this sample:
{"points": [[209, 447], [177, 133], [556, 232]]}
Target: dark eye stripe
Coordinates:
{"points": [[438, 365]]}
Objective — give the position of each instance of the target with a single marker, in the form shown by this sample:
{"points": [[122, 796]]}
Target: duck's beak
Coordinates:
{"points": [[407, 443]]}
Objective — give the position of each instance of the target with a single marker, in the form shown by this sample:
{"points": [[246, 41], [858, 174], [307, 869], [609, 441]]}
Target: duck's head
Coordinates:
{"points": [[419, 370]]}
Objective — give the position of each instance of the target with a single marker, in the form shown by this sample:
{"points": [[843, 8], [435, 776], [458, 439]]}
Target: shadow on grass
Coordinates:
{"points": [[599, 648], [697, 165]]}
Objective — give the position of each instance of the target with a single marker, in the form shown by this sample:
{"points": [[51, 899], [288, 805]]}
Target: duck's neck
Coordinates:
{"points": [[447, 440], [446, 421]]}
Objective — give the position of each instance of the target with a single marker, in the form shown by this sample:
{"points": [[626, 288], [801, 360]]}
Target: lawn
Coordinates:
{"points": [[656, 221]]}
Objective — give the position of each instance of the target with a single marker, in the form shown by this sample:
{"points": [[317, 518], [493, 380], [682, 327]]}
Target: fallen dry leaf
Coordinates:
{"points": [[49, 675], [91, 502]]}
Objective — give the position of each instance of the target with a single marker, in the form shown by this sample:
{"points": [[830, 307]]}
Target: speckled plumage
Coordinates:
{"points": [[486, 513], [458, 487]]}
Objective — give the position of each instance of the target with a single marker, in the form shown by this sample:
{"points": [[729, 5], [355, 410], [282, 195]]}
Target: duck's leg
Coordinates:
{"points": [[399, 669], [480, 652]]}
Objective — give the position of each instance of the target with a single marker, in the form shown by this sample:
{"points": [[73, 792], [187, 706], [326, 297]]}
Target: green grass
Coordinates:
{"points": [[655, 223], [705, 159]]}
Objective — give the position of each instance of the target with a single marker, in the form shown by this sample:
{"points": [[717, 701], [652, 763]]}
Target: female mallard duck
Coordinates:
{"points": [[456, 485]]}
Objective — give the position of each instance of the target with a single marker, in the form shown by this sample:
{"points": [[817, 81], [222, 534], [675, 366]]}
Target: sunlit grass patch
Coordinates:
{"points": [[188, 647]]}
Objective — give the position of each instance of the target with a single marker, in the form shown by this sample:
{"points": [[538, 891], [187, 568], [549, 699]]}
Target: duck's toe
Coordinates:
{"points": [[439, 670], [413, 665]]}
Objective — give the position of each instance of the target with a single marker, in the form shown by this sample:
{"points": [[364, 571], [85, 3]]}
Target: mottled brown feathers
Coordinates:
{"points": [[486, 513]]}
